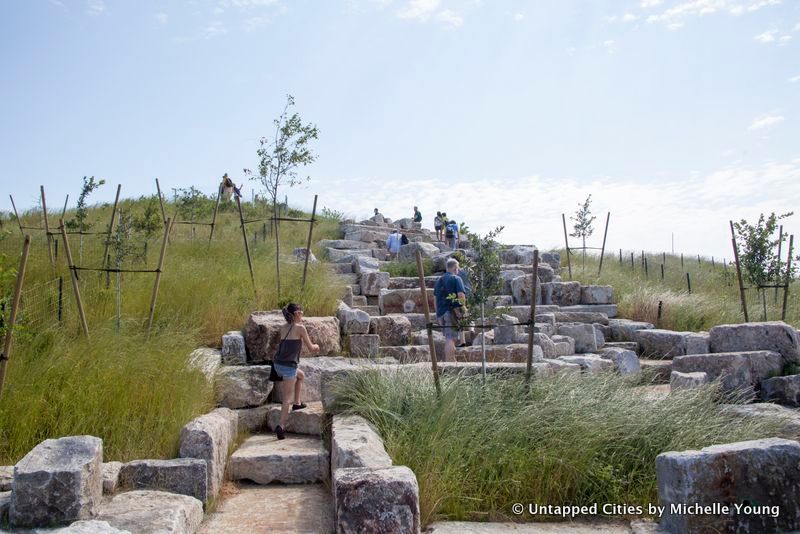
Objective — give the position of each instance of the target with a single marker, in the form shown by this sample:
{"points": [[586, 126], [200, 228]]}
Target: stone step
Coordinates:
{"points": [[295, 460], [372, 311], [608, 309], [286, 509], [306, 421]]}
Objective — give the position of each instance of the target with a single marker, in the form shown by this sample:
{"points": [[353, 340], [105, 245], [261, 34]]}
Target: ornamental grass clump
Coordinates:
{"points": [[571, 439]]}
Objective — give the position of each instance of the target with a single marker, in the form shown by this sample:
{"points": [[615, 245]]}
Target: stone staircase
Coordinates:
{"points": [[278, 486]]}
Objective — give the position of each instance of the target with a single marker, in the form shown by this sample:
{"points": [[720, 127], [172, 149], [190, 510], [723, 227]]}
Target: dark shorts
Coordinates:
{"points": [[437, 227], [449, 331]]}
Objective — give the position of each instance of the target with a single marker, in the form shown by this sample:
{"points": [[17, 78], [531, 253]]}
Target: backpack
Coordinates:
{"points": [[403, 239], [451, 231]]}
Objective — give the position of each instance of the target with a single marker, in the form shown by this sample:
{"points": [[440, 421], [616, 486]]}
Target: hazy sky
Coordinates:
{"points": [[676, 115]]}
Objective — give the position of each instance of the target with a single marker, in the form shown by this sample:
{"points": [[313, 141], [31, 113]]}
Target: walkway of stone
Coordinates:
{"points": [[578, 527]]}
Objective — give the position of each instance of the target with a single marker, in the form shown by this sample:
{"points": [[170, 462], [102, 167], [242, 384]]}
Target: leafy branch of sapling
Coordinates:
{"points": [[583, 227], [79, 222]]}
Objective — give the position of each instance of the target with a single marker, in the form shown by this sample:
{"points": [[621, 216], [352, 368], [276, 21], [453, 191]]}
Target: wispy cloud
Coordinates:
{"points": [[214, 29], [645, 4], [629, 17], [765, 121], [253, 23], [795, 79], [674, 17], [766, 37], [450, 18], [252, 3], [95, 7], [162, 18], [58, 3], [518, 17], [420, 10]]}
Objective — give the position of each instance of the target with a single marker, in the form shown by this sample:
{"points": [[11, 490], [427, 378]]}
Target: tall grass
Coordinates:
{"points": [[714, 298], [570, 440], [133, 391]]}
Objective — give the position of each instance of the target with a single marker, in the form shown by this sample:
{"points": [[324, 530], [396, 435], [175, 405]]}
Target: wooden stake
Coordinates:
{"points": [[535, 277], [308, 243], [47, 229], [5, 356], [620, 256], [64, 211], [214, 218], [566, 244], [429, 325], [19, 222], [161, 203], [277, 253], [633, 266], [603, 249], [662, 272], [739, 274], [689, 283], [780, 242], [246, 246], [788, 278], [110, 228], [74, 277], [167, 230]]}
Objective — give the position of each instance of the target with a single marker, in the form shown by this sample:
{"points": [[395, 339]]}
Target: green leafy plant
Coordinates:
{"points": [[483, 267], [583, 227], [758, 255], [79, 222], [149, 223]]}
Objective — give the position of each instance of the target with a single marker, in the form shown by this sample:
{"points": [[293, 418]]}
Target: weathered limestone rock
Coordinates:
{"points": [[5, 504], [352, 321], [355, 443], [599, 336], [609, 309], [564, 293], [403, 301], [393, 330], [208, 438], [735, 370], [581, 317], [522, 289], [111, 477], [364, 345], [343, 244], [564, 344], [546, 273], [591, 363], [583, 334], [420, 337], [775, 336], [262, 334], [252, 420], [206, 360], [372, 283], [91, 526], [153, 511], [299, 254], [761, 473], [660, 343], [409, 252], [6, 477], [517, 254], [307, 421], [627, 345], [625, 330], [233, 348], [407, 353], [547, 346], [186, 476], [782, 390], [58, 481], [508, 276], [295, 460], [366, 235], [376, 500], [345, 256], [625, 361], [597, 295], [553, 259], [687, 380], [365, 264], [341, 268], [243, 387], [410, 282], [417, 320], [787, 418], [658, 371], [506, 330]]}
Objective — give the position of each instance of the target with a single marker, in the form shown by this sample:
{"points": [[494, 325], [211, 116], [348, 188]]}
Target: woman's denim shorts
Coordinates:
{"points": [[287, 372]]}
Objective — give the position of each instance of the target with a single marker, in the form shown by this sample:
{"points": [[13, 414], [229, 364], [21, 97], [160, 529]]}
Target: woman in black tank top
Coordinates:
{"points": [[293, 337]]}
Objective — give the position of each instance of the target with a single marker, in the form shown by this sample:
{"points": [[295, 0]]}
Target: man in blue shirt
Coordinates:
{"points": [[449, 291], [393, 244]]}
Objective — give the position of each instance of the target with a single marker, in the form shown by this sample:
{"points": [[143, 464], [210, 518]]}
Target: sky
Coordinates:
{"points": [[675, 115]]}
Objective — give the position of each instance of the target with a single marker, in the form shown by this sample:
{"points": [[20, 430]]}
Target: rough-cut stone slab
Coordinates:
{"points": [[782, 390], [591, 363], [364, 345], [88, 527], [762, 472], [372, 282], [145, 511], [111, 477], [233, 349], [659, 371], [5, 504], [393, 330], [568, 527], [625, 361], [355, 443], [581, 317], [687, 380], [506, 330], [627, 345], [410, 282], [253, 420], [407, 353], [513, 353], [625, 330], [522, 289], [208, 438], [517, 254], [376, 500], [787, 418], [583, 334], [341, 268], [206, 360], [560, 342], [306, 421], [343, 244], [735, 370], [58, 481], [254, 509], [660, 343], [563, 293], [343, 255], [6, 477], [262, 334], [243, 386], [264, 459], [186, 476], [409, 252], [352, 321], [597, 295], [372, 311], [609, 309], [508, 275], [403, 301], [775, 336]]}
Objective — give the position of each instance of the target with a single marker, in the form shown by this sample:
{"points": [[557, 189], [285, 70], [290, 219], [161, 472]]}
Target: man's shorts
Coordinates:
{"points": [[449, 331]]}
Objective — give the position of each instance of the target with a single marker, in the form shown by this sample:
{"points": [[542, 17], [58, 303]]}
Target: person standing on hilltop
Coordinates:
{"points": [[449, 293], [293, 336], [437, 225], [417, 215], [451, 234]]}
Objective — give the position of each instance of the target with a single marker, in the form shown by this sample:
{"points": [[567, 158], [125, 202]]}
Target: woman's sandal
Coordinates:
{"points": [[279, 432], [299, 406]]}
